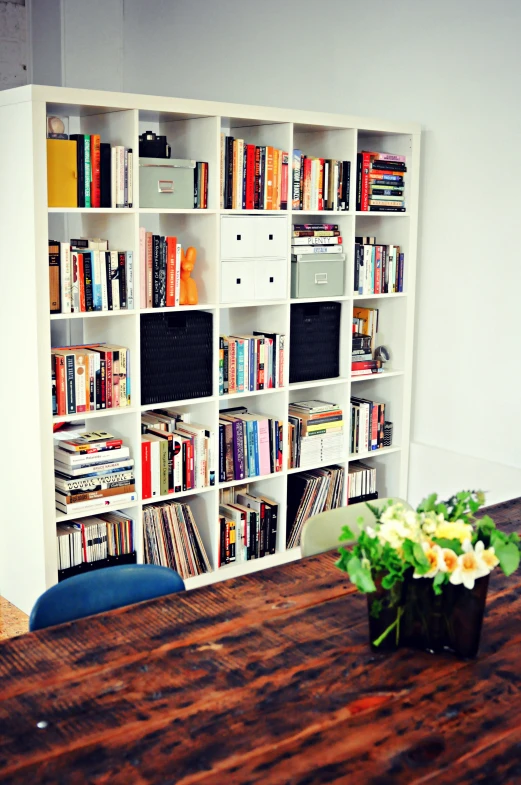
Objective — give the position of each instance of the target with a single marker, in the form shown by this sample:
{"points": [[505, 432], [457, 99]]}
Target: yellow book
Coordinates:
{"points": [[62, 174]]}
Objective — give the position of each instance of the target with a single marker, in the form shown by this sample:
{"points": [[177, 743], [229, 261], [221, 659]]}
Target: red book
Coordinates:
{"points": [[60, 384], [205, 185], [250, 176], [170, 271], [378, 269], [149, 264], [306, 185], [81, 282], [363, 365], [95, 188], [146, 476], [256, 197], [321, 183], [284, 182], [374, 427], [364, 196]]}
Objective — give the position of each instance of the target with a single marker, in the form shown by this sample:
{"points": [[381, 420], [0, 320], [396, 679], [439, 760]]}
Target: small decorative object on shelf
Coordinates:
{"points": [[388, 433], [188, 294], [426, 572]]}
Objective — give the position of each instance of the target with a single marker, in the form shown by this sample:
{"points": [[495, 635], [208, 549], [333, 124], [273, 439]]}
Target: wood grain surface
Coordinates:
{"points": [[264, 679]]}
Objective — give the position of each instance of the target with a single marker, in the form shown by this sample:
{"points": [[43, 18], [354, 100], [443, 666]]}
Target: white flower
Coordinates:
{"points": [[470, 566], [398, 524], [370, 532], [434, 555], [487, 557]]}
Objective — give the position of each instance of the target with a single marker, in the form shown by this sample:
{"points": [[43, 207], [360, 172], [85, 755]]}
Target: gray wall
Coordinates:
{"points": [[452, 66]]}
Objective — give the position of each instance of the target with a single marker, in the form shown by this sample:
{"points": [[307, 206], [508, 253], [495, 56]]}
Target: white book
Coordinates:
{"points": [[276, 349], [240, 179], [113, 173], [130, 178], [114, 277], [75, 283], [66, 278], [108, 501], [120, 176], [104, 286], [221, 174], [96, 470], [368, 266], [155, 467], [177, 273], [315, 241], [129, 267], [97, 281], [142, 268], [88, 459], [302, 250]]}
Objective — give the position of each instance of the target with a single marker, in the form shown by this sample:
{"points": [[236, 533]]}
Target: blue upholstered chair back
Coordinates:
{"points": [[102, 590]]}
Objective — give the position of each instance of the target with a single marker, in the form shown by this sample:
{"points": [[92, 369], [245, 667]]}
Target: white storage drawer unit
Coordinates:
{"points": [[254, 258]]}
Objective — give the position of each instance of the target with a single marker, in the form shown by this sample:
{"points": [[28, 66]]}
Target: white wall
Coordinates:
{"points": [[13, 44], [452, 66]]}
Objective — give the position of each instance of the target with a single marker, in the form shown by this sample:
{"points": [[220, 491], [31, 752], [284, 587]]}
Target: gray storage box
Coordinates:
{"points": [[318, 275], [166, 183]]}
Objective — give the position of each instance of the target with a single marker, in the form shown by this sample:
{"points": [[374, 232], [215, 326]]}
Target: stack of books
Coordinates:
{"points": [[89, 377], [250, 445], [83, 171], [317, 239], [160, 268], [361, 483], [94, 539], [252, 177], [316, 433], [247, 525], [367, 425], [91, 471], [85, 276], [172, 539], [310, 493], [365, 328], [379, 269], [201, 185], [248, 363], [176, 454], [320, 183], [380, 182]]}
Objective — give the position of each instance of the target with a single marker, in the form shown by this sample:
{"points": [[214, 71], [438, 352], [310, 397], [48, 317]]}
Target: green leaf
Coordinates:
{"points": [[413, 554], [508, 555], [347, 534], [442, 508], [428, 504], [360, 576], [389, 580], [440, 579], [454, 545]]}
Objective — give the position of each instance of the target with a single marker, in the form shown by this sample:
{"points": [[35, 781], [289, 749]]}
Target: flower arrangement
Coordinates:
{"points": [[440, 545]]}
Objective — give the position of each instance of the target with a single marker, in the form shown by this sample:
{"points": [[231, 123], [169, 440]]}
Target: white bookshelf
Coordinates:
{"points": [[28, 519]]}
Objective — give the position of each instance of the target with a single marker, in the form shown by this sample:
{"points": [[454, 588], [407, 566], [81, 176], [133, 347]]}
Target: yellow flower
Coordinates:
{"points": [[487, 556], [434, 557], [454, 530], [470, 567]]}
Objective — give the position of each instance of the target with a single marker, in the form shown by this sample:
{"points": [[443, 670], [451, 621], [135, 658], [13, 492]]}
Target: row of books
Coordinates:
{"points": [[251, 362], [93, 539], [92, 470], [89, 377], [250, 445], [361, 482], [316, 433], [83, 171], [310, 493], [172, 539], [252, 177], [176, 454], [380, 182], [200, 185], [320, 183], [367, 425], [84, 275], [160, 266], [247, 526], [379, 269]]}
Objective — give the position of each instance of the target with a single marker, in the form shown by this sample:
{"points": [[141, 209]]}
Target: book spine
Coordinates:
{"points": [[71, 386], [129, 266], [54, 277], [400, 272], [122, 277], [250, 177], [130, 172], [120, 163], [87, 171], [170, 271], [178, 255], [156, 267], [238, 451], [113, 177], [239, 360], [296, 179], [232, 369], [243, 163], [125, 177], [221, 366], [222, 158], [96, 170]]}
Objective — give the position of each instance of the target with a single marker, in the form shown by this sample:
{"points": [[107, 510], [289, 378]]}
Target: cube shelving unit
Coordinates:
{"points": [[28, 563]]}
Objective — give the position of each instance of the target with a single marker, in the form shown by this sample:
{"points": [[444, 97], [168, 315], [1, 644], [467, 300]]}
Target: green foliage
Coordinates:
{"points": [[360, 576], [440, 579], [413, 554], [347, 534], [454, 545]]}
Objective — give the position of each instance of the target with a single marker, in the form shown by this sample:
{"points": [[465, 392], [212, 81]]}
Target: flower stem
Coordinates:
{"points": [[395, 624]]}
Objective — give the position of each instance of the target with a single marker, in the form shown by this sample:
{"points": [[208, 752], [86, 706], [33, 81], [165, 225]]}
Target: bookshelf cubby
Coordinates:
{"points": [[28, 563]]}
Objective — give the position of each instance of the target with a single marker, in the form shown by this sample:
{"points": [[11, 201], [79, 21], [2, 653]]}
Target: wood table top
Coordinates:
{"points": [[263, 679]]}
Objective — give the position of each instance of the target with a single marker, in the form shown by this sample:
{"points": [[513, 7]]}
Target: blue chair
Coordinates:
{"points": [[102, 590]]}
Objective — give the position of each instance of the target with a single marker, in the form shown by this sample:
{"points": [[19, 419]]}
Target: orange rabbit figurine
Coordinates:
{"points": [[188, 290]]}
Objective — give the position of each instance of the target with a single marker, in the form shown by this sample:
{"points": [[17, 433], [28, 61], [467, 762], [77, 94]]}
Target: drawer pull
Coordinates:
{"points": [[320, 278], [271, 279], [238, 280], [165, 186], [238, 236]]}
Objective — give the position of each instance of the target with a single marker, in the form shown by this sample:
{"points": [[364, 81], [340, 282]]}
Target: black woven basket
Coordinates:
{"points": [[176, 356], [314, 342]]}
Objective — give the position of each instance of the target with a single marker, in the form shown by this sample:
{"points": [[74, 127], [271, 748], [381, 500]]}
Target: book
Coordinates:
{"points": [[62, 187], [54, 277], [381, 168]]}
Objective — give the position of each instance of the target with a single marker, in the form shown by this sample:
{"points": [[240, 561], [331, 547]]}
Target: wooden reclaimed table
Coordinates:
{"points": [[266, 679]]}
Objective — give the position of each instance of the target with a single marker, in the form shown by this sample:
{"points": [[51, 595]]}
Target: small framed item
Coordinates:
{"points": [[314, 276], [166, 183]]}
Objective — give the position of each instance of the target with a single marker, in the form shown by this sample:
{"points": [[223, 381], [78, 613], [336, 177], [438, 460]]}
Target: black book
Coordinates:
{"points": [[122, 279], [347, 183], [262, 178], [162, 272], [358, 181], [80, 163], [377, 209], [106, 270], [87, 280], [386, 191], [274, 514], [197, 180], [387, 183], [105, 175], [390, 166], [222, 451], [155, 269], [228, 174]]}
